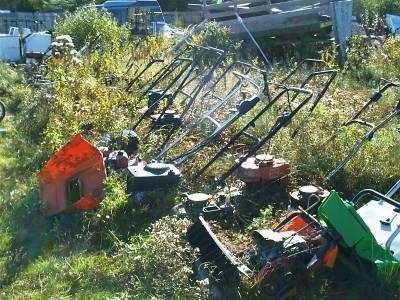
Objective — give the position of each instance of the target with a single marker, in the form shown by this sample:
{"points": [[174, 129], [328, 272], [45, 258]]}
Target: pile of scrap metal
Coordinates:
{"points": [[289, 252], [249, 19], [252, 168], [284, 255]]}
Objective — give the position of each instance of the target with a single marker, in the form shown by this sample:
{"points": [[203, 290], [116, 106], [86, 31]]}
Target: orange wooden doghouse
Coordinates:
{"points": [[78, 163]]}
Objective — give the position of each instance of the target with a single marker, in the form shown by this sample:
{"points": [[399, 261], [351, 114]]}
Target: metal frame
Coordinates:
{"points": [[373, 99], [332, 75], [200, 235], [385, 198], [366, 138], [160, 73], [189, 62], [182, 42], [393, 190], [199, 86], [209, 92], [193, 65], [244, 107], [222, 100]]}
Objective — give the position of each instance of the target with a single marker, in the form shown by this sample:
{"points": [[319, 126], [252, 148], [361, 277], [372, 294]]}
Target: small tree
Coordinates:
{"points": [[87, 25]]}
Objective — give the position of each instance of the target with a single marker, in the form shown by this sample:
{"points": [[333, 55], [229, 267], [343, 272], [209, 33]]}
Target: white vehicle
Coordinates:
{"points": [[20, 42]]}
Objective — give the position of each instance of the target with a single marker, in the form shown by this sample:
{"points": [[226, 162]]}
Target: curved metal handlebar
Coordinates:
{"points": [[207, 48], [303, 62], [370, 192], [248, 79], [367, 137], [374, 98], [281, 122]]}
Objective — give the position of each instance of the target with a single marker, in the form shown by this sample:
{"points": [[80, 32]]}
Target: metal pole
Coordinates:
{"points": [[393, 190], [239, 18]]}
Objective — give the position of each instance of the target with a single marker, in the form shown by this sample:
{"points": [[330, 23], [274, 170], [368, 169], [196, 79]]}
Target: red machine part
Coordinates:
{"points": [[310, 229], [262, 169], [307, 226], [118, 159], [77, 161]]}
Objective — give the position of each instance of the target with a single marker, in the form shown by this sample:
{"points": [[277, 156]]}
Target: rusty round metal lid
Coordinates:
{"points": [[199, 197], [170, 112], [264, 158], [309, 189]]}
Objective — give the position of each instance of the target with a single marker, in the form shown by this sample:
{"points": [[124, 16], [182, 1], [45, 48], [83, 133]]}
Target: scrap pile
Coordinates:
{"points": [[191, 106]]}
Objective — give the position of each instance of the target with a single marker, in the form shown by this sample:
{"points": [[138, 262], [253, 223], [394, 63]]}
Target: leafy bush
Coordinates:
{"points": [[369, 61], [8, 79], [358, 57], [372, 12], [265, 218], [376, 7], [217, 36], [89, 25], [391, 54]]}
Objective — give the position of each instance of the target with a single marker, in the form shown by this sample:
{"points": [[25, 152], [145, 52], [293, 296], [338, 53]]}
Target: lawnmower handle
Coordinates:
{"points": [[374, 98], [371, 192]]}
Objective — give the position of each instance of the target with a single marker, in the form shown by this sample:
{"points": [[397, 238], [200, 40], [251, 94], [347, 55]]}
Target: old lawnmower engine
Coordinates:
{"points": [[307, 196], [117, 160], [262, 169], [170, 116], [154, 175], [295, 248], [211, 207]]}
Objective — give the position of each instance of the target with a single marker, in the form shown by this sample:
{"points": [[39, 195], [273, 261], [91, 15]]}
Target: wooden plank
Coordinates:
{"points": [[282, 5], [230, 11], [256, 10], [277, 24]]}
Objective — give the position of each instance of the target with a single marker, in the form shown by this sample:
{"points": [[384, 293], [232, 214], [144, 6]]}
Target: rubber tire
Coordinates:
{"points": [[2, 111]]}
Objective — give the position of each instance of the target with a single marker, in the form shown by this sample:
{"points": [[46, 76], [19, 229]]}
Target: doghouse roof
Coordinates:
{"points": [[78, 154]]}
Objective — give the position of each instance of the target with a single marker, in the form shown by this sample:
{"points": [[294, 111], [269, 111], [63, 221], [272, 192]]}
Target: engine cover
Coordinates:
{"points": [[152, 176], [262, 169]]}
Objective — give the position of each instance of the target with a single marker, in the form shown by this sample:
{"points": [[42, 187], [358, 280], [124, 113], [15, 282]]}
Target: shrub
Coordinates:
{"points": [[89, 25], [217, 36], [372, 12]]}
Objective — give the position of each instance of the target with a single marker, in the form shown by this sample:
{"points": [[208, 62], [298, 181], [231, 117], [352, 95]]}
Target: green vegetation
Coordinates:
{"points": [[372, 12], [128, 251]]}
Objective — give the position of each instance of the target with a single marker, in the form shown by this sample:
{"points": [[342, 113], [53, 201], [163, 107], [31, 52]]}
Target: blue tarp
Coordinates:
{"points": [[393, 23], [140, 3]]}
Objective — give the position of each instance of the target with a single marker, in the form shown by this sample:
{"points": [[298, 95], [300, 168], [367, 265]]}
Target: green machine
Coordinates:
{"points": [[372, 230]]}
